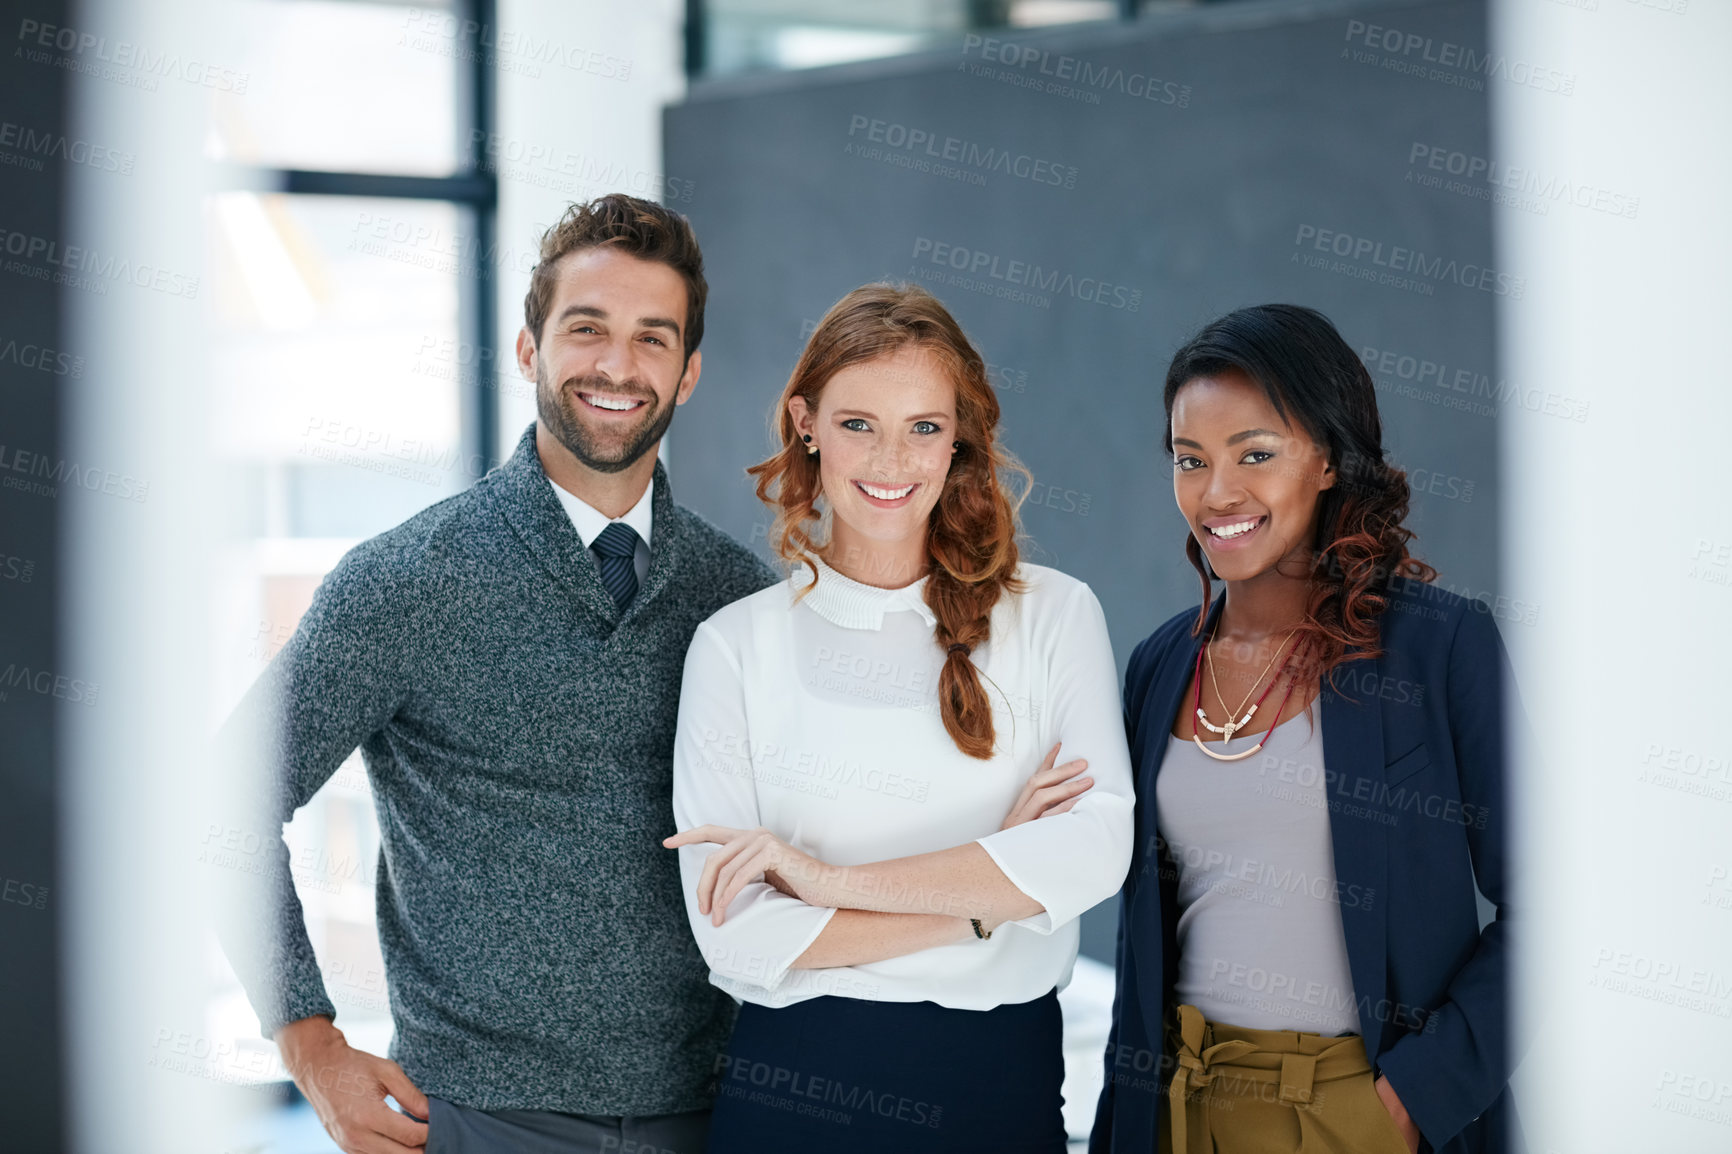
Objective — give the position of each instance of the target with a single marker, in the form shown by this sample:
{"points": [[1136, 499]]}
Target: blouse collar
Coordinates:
{"points": [[852, 605]]}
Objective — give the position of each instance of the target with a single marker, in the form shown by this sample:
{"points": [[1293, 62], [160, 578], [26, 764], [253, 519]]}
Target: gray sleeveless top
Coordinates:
{"points": [[1260, 939]]}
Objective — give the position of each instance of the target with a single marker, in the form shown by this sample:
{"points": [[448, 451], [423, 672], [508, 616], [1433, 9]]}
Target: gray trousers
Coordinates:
{"points": [[453, 1129]]}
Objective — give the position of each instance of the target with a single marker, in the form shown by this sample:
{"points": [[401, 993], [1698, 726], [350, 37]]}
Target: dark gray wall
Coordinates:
{"points": [[1270, 127], [34, 369]]}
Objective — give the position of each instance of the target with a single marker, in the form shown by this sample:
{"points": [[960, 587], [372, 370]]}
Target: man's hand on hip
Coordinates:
{"points": [[347, 1088]]}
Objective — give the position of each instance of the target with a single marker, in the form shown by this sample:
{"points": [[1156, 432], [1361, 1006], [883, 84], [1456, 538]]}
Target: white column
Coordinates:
{"points": [[139, 502], [1624, 520]]}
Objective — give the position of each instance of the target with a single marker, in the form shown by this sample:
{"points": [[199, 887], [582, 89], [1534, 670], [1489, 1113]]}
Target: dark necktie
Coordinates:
{"points": [[615, 547]]}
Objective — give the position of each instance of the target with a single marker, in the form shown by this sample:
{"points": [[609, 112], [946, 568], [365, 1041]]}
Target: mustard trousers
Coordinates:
{"points": [[1240, 1091]]}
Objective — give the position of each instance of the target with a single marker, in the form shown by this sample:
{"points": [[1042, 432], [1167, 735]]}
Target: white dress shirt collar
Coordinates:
{"points": [[852, 605], [590, 521]]}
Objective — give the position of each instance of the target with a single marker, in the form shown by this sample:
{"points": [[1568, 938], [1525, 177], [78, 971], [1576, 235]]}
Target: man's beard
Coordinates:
{"points": [[555, 406]]}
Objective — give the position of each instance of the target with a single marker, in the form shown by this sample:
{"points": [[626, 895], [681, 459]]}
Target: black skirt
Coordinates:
{"points": [[839, 1074]]}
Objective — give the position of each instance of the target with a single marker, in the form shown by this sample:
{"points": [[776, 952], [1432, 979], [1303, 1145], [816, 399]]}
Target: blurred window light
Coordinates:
{"points": [[741, 36], [310, 64], [337, 416], [1039, 13], [343, 339], [334, 347], [800, 46]]}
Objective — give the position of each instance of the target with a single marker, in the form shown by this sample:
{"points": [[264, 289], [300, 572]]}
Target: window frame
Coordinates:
{"points": [[474, 186]]}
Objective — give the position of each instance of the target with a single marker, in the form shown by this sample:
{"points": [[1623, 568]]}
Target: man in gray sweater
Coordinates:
{"points": [[508, 662]]}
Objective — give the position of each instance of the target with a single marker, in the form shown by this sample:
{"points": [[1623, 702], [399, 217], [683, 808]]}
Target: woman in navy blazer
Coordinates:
{"points": [[1412, 732]]}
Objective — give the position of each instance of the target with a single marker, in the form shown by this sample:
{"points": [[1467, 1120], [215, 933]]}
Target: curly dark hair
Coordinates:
{"points": [[1315, 381]]}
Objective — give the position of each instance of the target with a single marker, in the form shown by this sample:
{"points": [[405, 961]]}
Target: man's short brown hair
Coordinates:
{"points": [[639, 228]]}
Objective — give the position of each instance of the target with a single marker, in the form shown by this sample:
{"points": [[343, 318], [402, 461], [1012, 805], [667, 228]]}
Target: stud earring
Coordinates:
{"points": [[811, 449]]}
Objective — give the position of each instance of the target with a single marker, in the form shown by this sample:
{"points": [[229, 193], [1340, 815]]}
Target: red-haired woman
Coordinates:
{"points": [[1301, 963], [884, 861]]}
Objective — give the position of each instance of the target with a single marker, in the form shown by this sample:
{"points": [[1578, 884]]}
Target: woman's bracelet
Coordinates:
{"points": [[978, 932]]}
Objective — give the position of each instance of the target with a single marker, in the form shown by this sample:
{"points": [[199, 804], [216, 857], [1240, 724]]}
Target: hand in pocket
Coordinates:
{"points": [[1397, 1114]]}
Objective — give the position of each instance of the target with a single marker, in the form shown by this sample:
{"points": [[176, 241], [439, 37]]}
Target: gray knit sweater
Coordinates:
{"points": [[518, 731]]}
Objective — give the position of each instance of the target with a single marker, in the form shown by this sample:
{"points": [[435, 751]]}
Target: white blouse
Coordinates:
{"points": [[819, 721]]}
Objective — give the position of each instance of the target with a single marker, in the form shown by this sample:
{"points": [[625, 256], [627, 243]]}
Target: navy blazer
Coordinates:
{"points": [[1413, 753]]}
